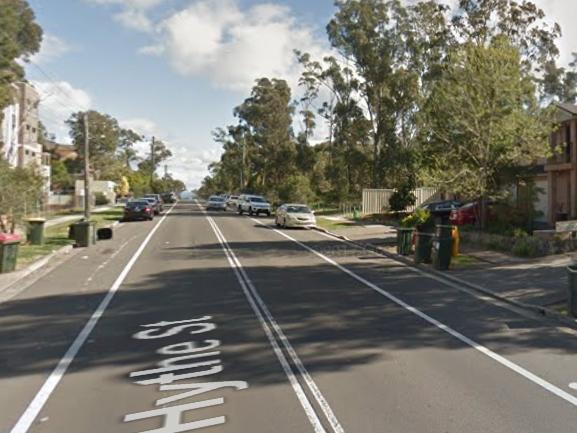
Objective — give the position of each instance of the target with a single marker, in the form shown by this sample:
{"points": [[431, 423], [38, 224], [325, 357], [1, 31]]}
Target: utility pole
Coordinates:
{"points": [[86, 170], [152, 143], [166, 171]]}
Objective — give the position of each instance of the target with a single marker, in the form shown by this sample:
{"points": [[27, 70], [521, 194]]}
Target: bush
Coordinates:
{"points": [[528, 246], [402, 198], [100, 199], [421, 218]]}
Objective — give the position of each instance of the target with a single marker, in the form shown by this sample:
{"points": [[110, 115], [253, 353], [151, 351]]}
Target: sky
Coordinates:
{"points": [[175, 69]]}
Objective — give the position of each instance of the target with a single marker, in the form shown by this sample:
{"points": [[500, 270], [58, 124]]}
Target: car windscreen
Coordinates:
{"points": [[257, 200], [216, 199], [298, 209]]}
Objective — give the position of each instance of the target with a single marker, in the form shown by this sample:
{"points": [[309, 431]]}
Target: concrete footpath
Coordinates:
{"points": [[541, 282]]}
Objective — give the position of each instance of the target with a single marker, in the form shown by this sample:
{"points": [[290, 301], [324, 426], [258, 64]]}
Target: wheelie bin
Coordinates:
{"points": [[442, 247]]}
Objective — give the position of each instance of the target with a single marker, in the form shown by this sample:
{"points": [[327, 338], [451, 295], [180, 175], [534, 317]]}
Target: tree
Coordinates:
{"points": [[20, 38], [265, 132], [396, 52], [483, 119], [60, 177], [20, 193], [161, 154], [104, 136], [126, 152]]}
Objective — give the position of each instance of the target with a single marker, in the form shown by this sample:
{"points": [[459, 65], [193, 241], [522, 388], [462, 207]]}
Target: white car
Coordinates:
{"points": [[232, 201], [253, 204], [295, 215]]}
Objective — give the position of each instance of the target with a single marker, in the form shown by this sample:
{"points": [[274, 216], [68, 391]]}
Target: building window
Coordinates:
{"points": [[568, 142]]}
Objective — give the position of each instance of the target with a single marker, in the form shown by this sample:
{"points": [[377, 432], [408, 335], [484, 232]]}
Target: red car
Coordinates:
{"points": [[467, 214]]}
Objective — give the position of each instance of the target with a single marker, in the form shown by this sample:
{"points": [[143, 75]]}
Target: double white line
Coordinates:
{"points": [[279, 342]]}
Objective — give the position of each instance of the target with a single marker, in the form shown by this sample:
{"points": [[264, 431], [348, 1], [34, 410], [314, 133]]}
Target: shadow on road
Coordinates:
{"points": [[335, 322]]}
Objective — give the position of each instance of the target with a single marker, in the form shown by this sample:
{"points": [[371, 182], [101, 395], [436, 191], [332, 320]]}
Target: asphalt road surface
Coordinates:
{"points": [[222, 323]]}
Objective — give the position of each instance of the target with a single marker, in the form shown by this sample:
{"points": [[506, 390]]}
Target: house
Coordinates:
{"points": [[559, 173], [61, 152]]}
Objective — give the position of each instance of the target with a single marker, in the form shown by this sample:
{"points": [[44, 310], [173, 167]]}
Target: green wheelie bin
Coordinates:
{"points": [[404, 240], [9, 245], [423, 247], [442, 247], [84, 234], [35, 231]]}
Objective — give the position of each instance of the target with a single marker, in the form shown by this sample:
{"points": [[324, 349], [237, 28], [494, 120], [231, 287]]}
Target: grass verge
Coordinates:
{"points": [[56, 237]]}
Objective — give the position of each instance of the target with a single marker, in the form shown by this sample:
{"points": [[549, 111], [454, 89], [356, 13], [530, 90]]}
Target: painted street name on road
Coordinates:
{"points": [[187, 360]]}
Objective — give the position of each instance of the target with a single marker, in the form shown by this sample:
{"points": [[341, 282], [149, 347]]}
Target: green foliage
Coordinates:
{"points": [[419, 218], [100, 199], [61, 179], [20, 38], [296, 189], [526, 246], [484, 120], [104, 136], [20, 193], [402, 198]]}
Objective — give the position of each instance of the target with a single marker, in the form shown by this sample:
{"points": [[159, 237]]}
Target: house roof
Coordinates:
{"points": [[569, 108]]}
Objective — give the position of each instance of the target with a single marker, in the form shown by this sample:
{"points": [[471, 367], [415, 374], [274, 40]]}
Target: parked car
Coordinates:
{"points": [[158, 200], [468, 213], [169, 197], [254, 204], [295, 215], [216, 202], [154, 204], [232, 201], [442, 207], [138, 210]]}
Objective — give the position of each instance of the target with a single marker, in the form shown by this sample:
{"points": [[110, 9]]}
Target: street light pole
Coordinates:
{"points": [[152, 143], [86, 170]]}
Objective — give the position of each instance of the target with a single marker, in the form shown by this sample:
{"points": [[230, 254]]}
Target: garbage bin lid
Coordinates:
{"points": [[35, 220], [7, 238]]}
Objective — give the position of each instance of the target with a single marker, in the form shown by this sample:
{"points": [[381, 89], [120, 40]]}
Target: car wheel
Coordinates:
{"points": [[250, 211], [283, 225], [240, 211], [268, 213]]}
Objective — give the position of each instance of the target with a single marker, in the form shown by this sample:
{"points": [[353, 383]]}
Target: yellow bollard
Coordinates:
{"points": [[456, 241]]}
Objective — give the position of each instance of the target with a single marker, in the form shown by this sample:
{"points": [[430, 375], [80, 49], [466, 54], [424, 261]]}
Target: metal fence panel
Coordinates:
{"points": [[378, 200]]}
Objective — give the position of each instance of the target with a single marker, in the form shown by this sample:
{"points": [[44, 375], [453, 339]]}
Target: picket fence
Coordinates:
{"points": [[378, 200]]}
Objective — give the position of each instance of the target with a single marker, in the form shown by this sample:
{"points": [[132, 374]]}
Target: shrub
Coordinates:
{"points": [[528, 246], [420, 218], [100, 199], [402, 199]]}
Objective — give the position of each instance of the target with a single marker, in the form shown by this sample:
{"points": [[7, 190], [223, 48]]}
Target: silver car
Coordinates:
{"points": [[253, 205], [295, 215], [216, 202]]}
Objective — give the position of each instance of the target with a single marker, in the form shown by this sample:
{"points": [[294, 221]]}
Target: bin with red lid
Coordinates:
{"points": [[9, 245]]}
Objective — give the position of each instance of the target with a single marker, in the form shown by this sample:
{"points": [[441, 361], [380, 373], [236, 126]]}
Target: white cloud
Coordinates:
{"points": [[52, 48], [232, 47], [134, 14], [58, 100]]}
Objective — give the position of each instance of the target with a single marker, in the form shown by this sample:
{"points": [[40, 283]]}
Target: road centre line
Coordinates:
{"points": [[27, 418], [484, 350], [255, 301]]}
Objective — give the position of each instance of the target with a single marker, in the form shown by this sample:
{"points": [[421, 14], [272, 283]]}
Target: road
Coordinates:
{"points": [[221, 323]]}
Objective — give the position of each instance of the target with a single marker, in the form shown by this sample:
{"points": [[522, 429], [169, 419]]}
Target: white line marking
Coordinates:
{"points": [[573, 386], [309, 410], [484, 350], [251, 294], [298, 363], [42, 396]]}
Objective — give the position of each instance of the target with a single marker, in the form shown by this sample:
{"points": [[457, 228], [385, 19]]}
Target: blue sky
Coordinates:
{"points": [[106, 55], [176, 68]]}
